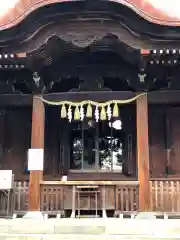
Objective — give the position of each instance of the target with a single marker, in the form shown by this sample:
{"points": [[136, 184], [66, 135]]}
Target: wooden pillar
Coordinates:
{"points": [[143, 152], [37, 142]]}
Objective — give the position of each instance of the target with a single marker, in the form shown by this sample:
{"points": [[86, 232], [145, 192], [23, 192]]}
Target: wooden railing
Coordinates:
{"points": [[20, 196], [52, 198], [165, 195], [56, 198], [127, 198]]}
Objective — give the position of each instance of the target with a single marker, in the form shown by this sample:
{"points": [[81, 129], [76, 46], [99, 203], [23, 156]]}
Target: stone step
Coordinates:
{"points": [[82, 237], [89, 228]]}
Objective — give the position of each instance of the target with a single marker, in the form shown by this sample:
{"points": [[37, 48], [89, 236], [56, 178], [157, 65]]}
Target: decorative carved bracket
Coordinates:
{"points": [[83, 39]]}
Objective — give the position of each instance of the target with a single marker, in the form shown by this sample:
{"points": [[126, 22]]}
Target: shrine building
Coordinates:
{"points": [[92, 90]]}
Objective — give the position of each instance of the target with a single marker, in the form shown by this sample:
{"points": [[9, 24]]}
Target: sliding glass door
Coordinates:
{"points": [[97, 146]]}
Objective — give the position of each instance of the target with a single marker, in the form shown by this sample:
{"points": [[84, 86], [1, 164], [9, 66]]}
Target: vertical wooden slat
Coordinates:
{"points": [[161, 195], [127, 198], [156, 193], [151, 195], [18, 196], [123, 199], [143, 152], [131, 198], [45, 200], [37, 142], [42, 198], [166, 194], [61, 199], [117, 198], [169, 196], [178, 196], [51, 200], [173, 189], [56, 200]]}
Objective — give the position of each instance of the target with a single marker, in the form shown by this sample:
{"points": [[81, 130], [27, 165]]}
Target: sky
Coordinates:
{"points": [[5, 5], [170, 7]]}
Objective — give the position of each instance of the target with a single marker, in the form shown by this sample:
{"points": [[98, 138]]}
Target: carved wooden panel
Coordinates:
{"points": [[164, 134], [52, 198], [157, 141], [174, 116], [17, 140], [129, 148], [87, 202], [52, 156], [16, 123], [110, 197], [68, 197]]}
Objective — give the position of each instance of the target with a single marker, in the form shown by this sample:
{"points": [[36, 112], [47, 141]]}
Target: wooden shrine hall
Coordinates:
{"points": [[95, 86]]}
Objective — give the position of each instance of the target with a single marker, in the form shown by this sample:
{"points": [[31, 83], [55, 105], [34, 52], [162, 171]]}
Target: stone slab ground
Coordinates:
{"points": [[89, 229]]}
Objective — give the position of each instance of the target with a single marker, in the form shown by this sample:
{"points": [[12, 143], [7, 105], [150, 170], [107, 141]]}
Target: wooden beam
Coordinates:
{"points": [[12, 100], [94, 96], [37, 142], [157, 97], [108, 183], [143, 152]]}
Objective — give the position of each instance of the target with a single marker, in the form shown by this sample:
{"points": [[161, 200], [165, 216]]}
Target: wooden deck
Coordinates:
{"points": [[121, 196]]}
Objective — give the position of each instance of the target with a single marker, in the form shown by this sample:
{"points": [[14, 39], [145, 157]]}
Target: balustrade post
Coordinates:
{"points": [[143, 152], [37, 142]]}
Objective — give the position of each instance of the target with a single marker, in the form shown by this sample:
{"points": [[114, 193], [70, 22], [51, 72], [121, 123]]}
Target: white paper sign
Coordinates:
{"points": [[6, 179], [64, 178], [35, 159]]}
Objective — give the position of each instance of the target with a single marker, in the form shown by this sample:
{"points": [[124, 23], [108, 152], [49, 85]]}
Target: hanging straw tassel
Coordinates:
{"points": [[89, 111], [116, 110], [63, 111], [69, 114], [103, 114], [76, 114]]}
